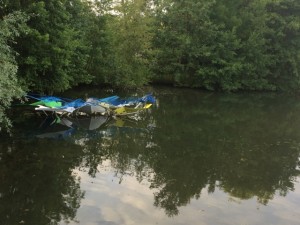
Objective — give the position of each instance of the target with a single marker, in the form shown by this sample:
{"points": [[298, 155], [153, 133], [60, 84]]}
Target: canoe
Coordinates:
{"points": [[125, 110]]}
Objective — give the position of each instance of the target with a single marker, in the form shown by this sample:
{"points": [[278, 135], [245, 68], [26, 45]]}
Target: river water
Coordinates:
{"points": [[194, 158]]}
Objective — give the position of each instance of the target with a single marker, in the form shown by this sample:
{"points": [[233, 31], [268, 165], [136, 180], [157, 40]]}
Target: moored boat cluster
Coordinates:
{"points": [[110, 106]]}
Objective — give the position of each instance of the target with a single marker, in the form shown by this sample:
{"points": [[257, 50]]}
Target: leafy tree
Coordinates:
{"points": [[100, 64], [10, 27], [216, 45], [236, 45], [183, 30], [53, 54], [131, 34], [284, 46], [242, 59]]}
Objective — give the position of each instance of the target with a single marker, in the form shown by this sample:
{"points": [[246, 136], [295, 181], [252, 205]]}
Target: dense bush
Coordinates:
{"points": [[216, 45]]}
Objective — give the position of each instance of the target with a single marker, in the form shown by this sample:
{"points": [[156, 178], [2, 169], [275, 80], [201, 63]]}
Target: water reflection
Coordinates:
{"points": [[64, 128], [36, 183], [246, 145]]}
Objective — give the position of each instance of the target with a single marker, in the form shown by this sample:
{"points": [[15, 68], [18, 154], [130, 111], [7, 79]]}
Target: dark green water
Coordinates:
{"points": [[193, 158]]}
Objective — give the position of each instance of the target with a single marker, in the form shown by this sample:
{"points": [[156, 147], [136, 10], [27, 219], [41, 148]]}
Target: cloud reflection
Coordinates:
{"points": [[131, 202]]}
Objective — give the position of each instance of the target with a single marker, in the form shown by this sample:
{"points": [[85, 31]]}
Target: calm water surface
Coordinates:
{"points": [[193, 158]]}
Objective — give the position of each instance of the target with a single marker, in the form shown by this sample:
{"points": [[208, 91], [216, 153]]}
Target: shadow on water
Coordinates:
{"points": [[246, 145], [37, 184]]}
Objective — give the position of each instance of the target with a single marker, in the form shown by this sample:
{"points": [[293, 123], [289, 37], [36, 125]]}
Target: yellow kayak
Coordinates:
{"points": [[125, 110]]}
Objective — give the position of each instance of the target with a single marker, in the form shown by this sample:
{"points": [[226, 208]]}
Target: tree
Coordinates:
{"points": [[10, 27], [100, 63], [242, 60], [53, 54], [184, 39], [284, 46], [131, 33], [236, 45]]}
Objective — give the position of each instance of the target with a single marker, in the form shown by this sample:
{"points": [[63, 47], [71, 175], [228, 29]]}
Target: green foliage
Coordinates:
{"points": [[131, 40], [284, 36], [221, 45], [216, 45], [10, 27], [184, 29], [100, 61], [54, 53]]}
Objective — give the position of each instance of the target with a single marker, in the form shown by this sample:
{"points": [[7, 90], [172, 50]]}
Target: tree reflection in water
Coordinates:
{"points": [[37, 184], [246, 145]]}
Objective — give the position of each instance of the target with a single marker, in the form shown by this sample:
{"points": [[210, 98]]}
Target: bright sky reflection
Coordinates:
{"points": [[130, 202]]}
